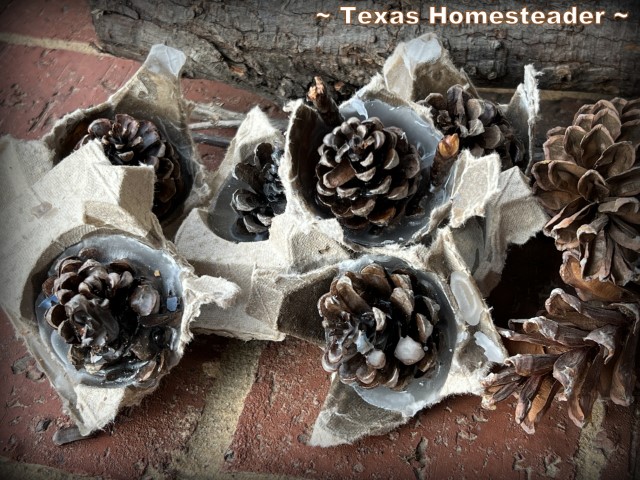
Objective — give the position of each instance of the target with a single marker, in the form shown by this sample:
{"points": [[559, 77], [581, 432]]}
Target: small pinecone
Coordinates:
{"points": [[110, 316], [481, 126], [127, 141], [590, 183], [367, 173], [575, 351], [379, 327], [266, 198]]}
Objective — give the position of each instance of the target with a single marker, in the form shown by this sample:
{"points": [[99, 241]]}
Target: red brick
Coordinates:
{"points": [[463, 440], [616, 440], [227, 96], [141, 437], [60, 19], [39, 86]]}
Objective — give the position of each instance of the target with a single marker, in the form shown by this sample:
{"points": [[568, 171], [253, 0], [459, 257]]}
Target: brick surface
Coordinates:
{"points": [[60, 19], [39, 86], [455, 439], [142, 438]]}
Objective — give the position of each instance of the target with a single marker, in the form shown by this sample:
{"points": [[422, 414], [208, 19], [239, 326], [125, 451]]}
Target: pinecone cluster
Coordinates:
{"points": [[379, 327], [127, 141], [367, 174], [479, 124], [576, 350], [117, 323], [590, 183], [265, 197], [586, 345]]}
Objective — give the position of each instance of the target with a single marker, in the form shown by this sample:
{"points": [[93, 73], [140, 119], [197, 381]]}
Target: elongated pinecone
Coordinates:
{"points": [[577, 350], [590, 183], [480, 124], [266, 198], [379, 327], [127, 141], [367, 173], [117, 323]]}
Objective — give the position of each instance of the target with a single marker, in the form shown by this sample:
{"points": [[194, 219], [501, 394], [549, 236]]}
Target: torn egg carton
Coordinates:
{"points": [[84, 204], [461, 240], [468, 346], [207, 239], [289, 302], [152, 94]]}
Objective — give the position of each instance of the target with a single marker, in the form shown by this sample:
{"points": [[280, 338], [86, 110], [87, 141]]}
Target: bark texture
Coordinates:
{"points": [[275, 48]]}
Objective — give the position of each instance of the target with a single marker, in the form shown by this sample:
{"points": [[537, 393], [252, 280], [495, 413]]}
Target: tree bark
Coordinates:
{"points": [[275, 48]]}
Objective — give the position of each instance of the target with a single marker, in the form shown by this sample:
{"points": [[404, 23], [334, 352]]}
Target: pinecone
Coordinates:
{"points": [[266, 198], [117, 322], [575, 351], [367, 174], [379, 327], [590, 183], [127, 141], [481, 126]]}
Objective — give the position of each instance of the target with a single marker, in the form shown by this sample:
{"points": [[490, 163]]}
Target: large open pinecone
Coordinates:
{"points": [[367, 173], [575, 350], [480, 125], [590, 183], [379, 327], [266, 198], [117, 323], [127, 141]]}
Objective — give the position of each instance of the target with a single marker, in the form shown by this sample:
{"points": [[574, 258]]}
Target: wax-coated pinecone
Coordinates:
{"points": [[480, 124], [265, 197], [576, 350], [367, 173], [117, 323], [379, 327], [590, 183], [127, 141]]}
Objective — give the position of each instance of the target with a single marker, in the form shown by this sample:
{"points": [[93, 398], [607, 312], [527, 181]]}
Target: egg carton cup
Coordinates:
{"points": [[486, 208], [152, 93], [461, 242], [82, 199]]}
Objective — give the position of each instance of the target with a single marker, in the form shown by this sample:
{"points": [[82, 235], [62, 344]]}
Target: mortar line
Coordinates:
{"points": [[51, 44], [224, 403], [16, 470], [590, 460]]}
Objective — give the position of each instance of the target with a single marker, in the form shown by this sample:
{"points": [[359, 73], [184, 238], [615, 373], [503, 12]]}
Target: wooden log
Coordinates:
{"points": [[275, 48]]}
